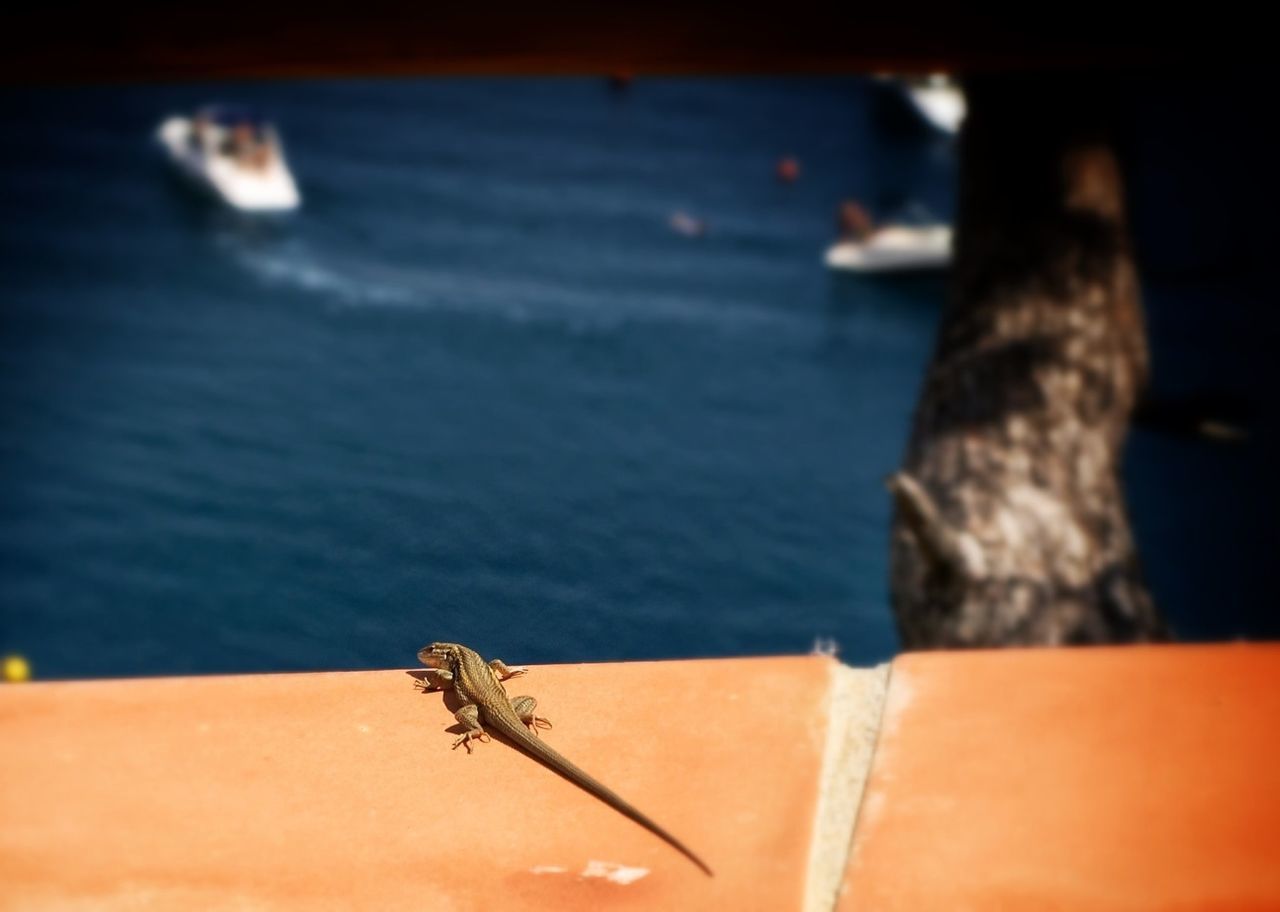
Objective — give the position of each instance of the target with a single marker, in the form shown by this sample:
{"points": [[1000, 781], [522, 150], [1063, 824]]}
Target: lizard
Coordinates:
{"points": [[485, 703]]}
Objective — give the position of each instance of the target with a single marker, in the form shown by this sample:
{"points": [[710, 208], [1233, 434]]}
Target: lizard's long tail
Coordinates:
{"points": [[557, 762]]}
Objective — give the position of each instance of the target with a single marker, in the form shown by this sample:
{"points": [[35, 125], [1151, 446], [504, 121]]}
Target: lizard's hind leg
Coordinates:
{"points": [[524, 707], [469, 716]]}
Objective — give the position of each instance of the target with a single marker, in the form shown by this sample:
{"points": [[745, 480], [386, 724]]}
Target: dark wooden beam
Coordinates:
{"points": [[272, 39]]}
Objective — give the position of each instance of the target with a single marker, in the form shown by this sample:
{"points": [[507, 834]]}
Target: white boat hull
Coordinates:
{"points": [[941, 104], [894, 249], [270, 188]]}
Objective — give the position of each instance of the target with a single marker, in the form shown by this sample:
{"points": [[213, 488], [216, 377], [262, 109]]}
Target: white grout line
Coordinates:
{"points": [[855, 704]]}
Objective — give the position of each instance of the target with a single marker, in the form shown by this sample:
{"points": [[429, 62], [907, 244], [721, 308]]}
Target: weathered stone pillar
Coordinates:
{"points": [[1010, 524]]}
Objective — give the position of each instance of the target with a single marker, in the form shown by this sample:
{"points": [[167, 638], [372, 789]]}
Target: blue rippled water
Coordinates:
{"points": [[477, 389]]}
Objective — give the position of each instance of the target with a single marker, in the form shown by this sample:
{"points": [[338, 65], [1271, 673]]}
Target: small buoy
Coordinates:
{"points": [[16, 669], [788, 169]]}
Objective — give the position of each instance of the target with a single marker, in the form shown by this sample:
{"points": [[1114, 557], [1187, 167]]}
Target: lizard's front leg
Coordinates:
{"points": [[524, 707], [436, 679], [469, 716], [504, 671]]}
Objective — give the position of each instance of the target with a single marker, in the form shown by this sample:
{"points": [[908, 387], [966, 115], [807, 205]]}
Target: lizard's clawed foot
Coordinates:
{"points": [[434, 679], [465, 740], [536, 723]]}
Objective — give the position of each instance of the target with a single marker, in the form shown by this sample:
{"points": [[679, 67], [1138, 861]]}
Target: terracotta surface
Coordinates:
{"points": [[1139, 778], [1104, 779], [341, 791]]}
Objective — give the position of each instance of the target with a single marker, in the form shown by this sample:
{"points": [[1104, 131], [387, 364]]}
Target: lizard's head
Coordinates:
{"points": [[439, 655]]}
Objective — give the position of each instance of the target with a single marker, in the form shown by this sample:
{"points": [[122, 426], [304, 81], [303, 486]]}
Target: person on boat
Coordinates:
{"points": [[242, 141], [249, 150], [853, 222]]}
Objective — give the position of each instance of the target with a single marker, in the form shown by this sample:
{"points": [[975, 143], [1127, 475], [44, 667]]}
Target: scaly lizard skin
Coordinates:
{"points": [[485, 703]]}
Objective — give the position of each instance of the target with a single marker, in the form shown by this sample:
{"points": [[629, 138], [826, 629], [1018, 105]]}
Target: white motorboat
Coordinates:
{"points": [[939, 100], [234, 155], [894, 248]]}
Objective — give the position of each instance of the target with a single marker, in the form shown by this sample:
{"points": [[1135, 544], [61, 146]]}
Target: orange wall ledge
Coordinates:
{"points": [[1126, 778]]}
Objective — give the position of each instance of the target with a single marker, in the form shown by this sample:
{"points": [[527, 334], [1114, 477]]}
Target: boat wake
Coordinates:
{"points": [[345, 281], [293, 264]]}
